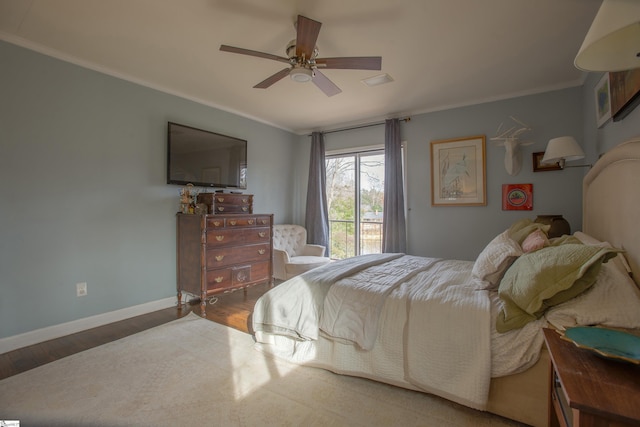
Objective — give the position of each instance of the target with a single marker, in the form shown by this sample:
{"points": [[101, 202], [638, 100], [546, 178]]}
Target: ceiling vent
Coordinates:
{"points": [[377, 80]]}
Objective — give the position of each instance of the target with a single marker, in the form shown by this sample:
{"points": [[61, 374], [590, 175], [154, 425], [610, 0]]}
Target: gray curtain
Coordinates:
{"points": [[317, 215], [394, 238]]}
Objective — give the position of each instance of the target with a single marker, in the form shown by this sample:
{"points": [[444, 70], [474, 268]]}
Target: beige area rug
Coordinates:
{"points": [[193, 372]]}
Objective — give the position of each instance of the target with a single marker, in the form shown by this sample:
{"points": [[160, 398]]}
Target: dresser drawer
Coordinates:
{"points": [[217, 258], [263, 220], [231, 209], [237, 276], [233, 199], [232, 221], [258, 272], [227, 237], [213, 222], [223, 203], [560, 404], [246, 221], [218, 280], [243, 221]]}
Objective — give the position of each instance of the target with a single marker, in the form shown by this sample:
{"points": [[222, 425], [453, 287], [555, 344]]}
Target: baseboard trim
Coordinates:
{"points": [[56, 331]]}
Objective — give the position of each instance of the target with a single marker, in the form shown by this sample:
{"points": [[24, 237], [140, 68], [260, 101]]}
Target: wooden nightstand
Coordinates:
{"points": [[588, 390]]}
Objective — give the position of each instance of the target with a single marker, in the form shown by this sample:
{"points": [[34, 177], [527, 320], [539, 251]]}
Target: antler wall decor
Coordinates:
{"points": [[510, 140]]}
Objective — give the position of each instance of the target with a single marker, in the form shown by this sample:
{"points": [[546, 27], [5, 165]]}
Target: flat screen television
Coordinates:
{"points": [[204, 158]]}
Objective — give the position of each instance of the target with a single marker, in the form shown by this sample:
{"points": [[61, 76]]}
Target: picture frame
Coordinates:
{"points": [[539, 167], [602, 94], [458, 171], [517, 197], [625, 92]]}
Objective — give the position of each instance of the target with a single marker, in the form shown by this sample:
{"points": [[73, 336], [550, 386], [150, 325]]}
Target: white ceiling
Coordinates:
{"points": [[440, 53]]}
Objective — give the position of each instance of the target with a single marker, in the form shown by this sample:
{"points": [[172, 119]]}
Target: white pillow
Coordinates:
{"points": [[614, 300], [494, 260], [620, 261]]}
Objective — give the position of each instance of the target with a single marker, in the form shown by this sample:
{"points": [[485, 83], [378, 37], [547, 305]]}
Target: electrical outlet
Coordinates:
{"points": [[81, 289]]}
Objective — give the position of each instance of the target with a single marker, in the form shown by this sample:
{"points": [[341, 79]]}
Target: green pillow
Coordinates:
{"points": [[564, 239], [547, 277], [521, 229]]}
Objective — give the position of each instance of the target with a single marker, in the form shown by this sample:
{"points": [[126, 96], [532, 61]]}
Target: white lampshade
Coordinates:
{"points": [[559, 150], [613, 41]]}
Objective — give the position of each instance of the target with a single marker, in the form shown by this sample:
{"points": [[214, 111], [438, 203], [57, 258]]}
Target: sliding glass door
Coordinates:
{"points": [[355, 196]]}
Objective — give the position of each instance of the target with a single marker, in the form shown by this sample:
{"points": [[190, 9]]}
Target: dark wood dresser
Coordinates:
{"points": [[221, 253]]}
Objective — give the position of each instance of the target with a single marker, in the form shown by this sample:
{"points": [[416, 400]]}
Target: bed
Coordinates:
{"points": [[470, 331]]}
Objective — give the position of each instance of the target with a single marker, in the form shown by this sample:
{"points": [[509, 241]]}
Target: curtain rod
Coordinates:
{"points": [[405, 119]]}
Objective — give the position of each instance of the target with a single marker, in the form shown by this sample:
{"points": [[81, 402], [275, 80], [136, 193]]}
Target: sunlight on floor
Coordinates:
{"points": [[252, 369]]}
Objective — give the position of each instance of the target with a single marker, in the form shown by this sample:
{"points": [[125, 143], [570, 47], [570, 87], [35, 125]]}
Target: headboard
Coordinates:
{"points": [[611, 201]]}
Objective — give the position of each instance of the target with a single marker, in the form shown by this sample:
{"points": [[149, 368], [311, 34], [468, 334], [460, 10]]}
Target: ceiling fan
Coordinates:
{"points": [[304, 64]]}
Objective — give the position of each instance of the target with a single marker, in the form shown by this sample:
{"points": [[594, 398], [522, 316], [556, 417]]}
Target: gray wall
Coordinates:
{"points": [[83, 188], [462, 232], [83, 193]]}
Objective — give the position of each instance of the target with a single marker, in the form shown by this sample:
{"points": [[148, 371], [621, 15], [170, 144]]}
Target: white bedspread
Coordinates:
{"points": [[294, 307], [449, 335], [455, 365], [352, 306]]}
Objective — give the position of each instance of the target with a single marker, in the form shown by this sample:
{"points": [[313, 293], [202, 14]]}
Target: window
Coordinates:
{"points": [[355, 198]]}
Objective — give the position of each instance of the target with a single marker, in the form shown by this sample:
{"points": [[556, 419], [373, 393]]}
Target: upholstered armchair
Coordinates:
{"points": [[291, 253]]}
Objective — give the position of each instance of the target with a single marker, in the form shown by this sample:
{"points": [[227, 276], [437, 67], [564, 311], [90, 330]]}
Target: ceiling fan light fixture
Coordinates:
{"points": [[301, 75]]}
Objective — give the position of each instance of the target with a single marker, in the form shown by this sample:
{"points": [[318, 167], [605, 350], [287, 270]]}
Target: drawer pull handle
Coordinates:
{"points": [[264, 221], [219, 279], [219, 238], [262, 234], [244, 209], [261, 251], [216, 223], [245, 200], [250, 222], [219, 258], [220, 199], [233, 222], [241, 277], [221, 208]]}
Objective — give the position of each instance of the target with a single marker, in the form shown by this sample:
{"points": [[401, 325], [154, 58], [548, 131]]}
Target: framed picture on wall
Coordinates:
{"points": [[602, 94], [539, 167], [458, 175], [625, 92], [517, 197]]}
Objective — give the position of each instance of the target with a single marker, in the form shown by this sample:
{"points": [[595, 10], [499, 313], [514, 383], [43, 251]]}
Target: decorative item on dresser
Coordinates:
{"points": [[227, 203], [219, 253]]}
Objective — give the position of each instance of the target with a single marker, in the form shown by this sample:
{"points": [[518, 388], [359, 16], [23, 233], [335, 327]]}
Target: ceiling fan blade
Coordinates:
{"points": [[274, 78], [242, 51], [351, 63], [307, 31], [324, 84]]}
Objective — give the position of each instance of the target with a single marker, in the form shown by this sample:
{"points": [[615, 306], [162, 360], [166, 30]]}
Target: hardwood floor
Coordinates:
{"points": [[232, 309]]}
